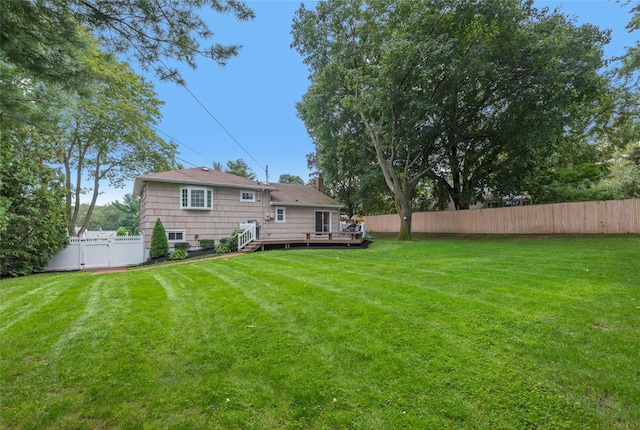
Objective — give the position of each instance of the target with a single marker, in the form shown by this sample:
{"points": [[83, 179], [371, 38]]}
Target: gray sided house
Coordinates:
{"points": [[203, 203]]}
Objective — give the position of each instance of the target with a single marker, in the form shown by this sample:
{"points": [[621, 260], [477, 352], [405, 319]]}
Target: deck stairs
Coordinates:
{"points": [[250, 247]]}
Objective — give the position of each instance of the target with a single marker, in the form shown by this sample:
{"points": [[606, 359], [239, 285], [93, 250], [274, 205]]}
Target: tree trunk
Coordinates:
{"points": [[459, 202], [97, 175], [403, 206], [403, 187]]}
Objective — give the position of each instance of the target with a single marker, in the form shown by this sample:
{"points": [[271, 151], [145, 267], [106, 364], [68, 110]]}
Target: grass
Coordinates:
{"points": [[476, 332]]}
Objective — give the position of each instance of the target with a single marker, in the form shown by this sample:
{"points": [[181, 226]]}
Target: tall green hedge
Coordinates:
{"points": [[159, 242]]}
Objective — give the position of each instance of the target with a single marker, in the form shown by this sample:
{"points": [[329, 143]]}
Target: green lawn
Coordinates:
{"points": [[474, 332]]}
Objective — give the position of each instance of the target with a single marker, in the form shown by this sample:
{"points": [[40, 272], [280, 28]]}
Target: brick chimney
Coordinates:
{"points": [[320, 183]]}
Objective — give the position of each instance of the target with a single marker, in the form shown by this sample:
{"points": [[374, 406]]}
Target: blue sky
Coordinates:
{"points": [[254, 95]]}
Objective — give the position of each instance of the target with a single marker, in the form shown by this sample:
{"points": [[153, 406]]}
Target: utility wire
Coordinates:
{"points": [[166, 134], [185, 161], [180, 143], [184, 85], [87, 115], [221, 126]]}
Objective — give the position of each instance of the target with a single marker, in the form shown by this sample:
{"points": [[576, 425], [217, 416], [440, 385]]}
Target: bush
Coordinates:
{"points": [[179, 254], [159, 242], [182, 245], [122, 231], [33, 218], [223, 247], [229, 244], [206, 244]]}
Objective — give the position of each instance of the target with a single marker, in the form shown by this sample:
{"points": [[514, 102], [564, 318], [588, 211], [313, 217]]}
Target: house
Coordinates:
{"points": [[203, 203]]}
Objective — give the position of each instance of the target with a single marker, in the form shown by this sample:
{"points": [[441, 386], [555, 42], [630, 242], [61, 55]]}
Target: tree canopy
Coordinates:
{"points": [[32, 216], [631, 61], [287, 178], [238, 167], [107, 134], [130, 212], [80, 112], [41, 36], [467, 95]]}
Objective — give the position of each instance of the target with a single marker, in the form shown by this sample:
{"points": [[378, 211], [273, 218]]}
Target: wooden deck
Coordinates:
{"points": [[346, 239]]}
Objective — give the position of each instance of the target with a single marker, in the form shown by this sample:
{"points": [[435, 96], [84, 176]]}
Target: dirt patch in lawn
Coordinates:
{"points": [[152, 263], [600, 326]]}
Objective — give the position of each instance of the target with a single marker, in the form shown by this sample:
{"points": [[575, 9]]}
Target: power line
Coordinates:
{"points": [[184, 85], [180, 143], [220, 124], [185, 161], [87, 115]]}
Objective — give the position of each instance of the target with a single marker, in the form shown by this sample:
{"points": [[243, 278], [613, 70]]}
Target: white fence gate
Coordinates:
{"points": [[98, 253]]}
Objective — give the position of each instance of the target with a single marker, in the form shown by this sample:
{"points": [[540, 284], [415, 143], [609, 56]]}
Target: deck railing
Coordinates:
{"points": [[248, 235]]}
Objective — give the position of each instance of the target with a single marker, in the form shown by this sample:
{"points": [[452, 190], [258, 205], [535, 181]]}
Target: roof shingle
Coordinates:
{"points": [[300, 195], [282, 194]]}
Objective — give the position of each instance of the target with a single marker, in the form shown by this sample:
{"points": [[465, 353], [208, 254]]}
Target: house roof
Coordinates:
{"points": [[281, 194], [300, 195], [199, 176]]}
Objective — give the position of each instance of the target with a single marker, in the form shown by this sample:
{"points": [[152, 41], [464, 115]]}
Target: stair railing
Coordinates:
{"points": [[248, 234]]}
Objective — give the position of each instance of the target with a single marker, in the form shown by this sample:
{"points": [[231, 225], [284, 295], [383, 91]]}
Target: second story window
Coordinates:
{"points": [[196, 198], [247, 196]]}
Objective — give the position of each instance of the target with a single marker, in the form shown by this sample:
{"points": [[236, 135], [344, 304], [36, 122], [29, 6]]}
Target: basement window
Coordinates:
{"points": [[176, 235]]}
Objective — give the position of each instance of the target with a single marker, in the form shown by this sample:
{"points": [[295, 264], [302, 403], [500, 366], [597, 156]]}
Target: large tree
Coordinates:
{"points": [[43, 56], [353, 100], [107, 134], [32, 216], [451, 91], [527, 90]]}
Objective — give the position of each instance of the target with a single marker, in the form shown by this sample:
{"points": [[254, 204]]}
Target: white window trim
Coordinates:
{"points": [[284, 214], [207, 192], [184, 235], [252, 199]]}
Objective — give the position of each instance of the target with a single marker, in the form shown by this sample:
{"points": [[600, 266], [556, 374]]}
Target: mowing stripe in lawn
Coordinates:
{"points": [[446, 333]]}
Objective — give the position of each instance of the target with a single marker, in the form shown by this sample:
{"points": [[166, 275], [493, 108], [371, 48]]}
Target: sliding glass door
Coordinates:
{"points": [[323, 222]]}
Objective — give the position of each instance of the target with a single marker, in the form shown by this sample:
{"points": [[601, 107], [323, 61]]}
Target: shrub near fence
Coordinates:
{"points": [[602, 217]]}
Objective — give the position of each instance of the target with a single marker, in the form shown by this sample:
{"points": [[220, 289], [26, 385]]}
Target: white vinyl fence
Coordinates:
{"points": [[98, 253]]}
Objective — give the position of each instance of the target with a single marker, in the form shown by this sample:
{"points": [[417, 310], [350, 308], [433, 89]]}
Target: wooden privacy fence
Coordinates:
{"points": [[602, 217], [98, 253]]}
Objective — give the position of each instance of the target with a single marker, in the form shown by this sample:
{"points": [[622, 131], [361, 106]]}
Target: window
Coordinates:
{"points": [[176, 235], [247, 196], [280, 214], [196, 198]]}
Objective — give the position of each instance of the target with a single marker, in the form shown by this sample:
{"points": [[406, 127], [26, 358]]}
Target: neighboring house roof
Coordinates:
{"points": [[300, 195], [199, 176], [281, 194]]}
